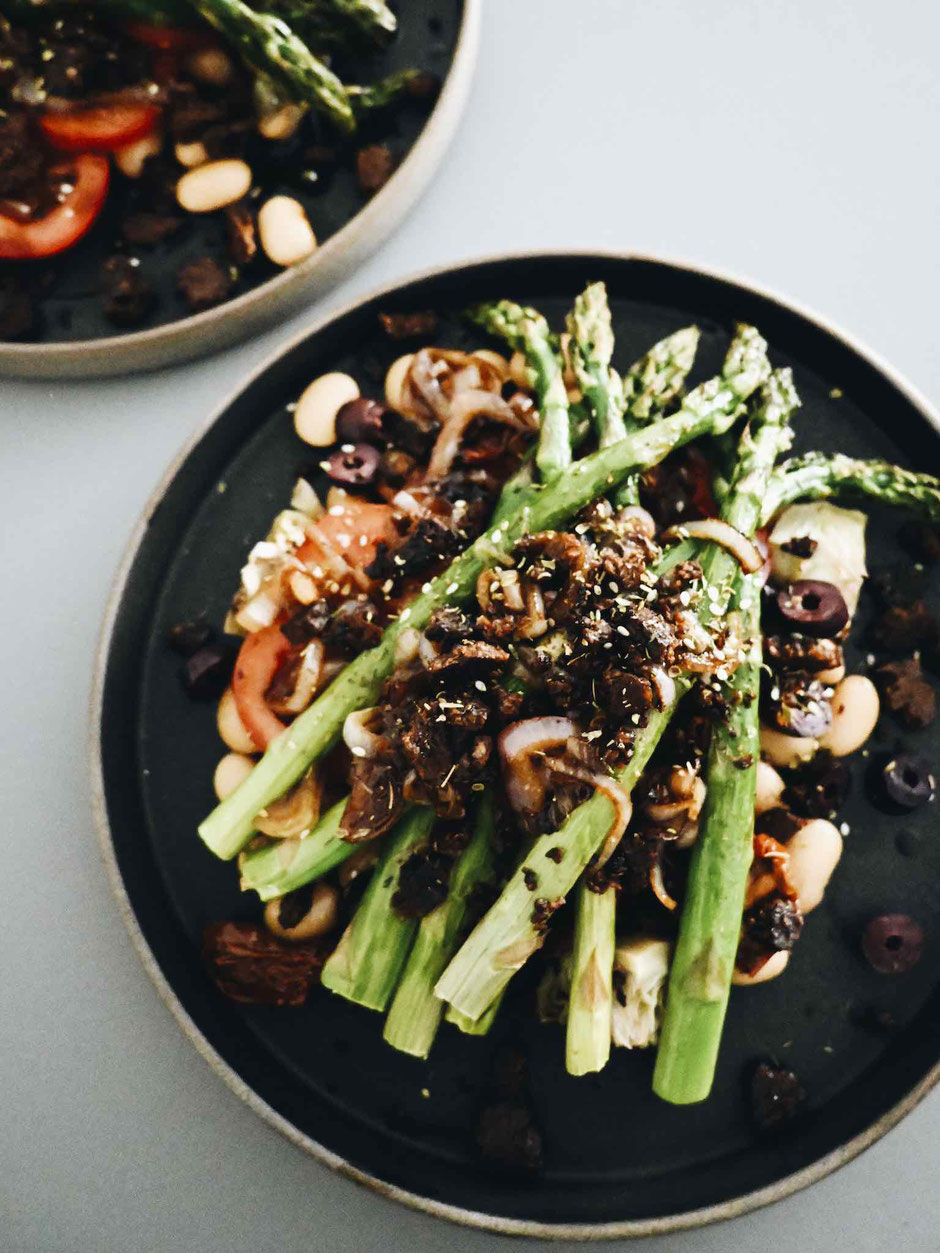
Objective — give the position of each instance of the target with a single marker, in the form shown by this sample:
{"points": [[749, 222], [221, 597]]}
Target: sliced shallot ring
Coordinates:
{"points": [[308, 682], [659, 887], [664, 685], [518, 743], [608, 785], [745, 551], [465, 407], [667, 811], [357, 737], [535, 622]]}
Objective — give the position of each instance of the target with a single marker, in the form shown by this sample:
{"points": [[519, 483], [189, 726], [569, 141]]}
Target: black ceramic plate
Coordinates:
{"points": [[72, 335], [617, 1160]]}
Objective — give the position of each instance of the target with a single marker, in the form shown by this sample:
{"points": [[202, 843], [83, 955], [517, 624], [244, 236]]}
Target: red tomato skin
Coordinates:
{"points": [[255, 665], [99, 130], [67, 222], [360, 520]]}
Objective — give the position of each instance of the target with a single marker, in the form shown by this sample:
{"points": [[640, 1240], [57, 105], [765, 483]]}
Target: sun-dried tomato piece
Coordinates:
{"points": [[252, 967]]}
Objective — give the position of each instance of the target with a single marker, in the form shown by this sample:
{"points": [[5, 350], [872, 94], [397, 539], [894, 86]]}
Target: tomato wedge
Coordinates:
{"points": [[254, 669], [67, 222], [100, 129], [354, 532]]}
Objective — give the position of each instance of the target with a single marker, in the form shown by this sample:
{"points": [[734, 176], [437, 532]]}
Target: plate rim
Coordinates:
{"points": [[500, 1225], [277, 298]]}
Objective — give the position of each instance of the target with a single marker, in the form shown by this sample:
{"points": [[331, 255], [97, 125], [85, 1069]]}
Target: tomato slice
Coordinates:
{"points": [[64, 225], [255, 665], [355, 532], [100, 129]]}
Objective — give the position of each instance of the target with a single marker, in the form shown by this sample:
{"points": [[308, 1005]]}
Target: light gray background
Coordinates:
{"points": [[793, 142]]}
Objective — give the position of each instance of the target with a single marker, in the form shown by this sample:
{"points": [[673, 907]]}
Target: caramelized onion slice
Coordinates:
{"points": [[609, 787], [295, 814], [744, 551], [464, 409], [526, 779]]}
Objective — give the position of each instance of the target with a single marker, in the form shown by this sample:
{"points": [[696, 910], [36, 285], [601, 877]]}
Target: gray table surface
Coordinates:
{"points": [[793, 143]]}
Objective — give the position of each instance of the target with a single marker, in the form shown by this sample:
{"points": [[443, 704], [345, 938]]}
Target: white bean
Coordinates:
{"points": [[192, 154], [855, 709], [230, 773], [319, 403], [769, 788], [814, 853], [232, 730], [213, 185], [282, 123], [211, 65], [786, 750], [776, 965], [285, 231], [131, 157], [395, 379], [319, 918]]}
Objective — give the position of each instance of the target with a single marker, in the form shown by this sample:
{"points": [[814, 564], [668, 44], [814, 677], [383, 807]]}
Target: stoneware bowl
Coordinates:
{"points": [[441, 35], [617, 1161]]}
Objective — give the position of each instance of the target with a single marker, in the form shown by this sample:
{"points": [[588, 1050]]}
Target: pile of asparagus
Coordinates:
{"points": [[423, 972], [287, 45]]}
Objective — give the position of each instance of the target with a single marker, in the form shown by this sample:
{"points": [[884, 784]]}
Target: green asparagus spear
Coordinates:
{"points": [[658, 377], [590, 1001], [714, 406], [700, 977], [591, 348], [511, 932], [273, 49], [527, 331], [373, 17], [365, 965], [416, 1012], [473, 1026], [816, 476], [371, 97], [650, 385]]}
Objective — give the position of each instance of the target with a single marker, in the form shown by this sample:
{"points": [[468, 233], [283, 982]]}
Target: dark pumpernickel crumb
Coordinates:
{"points": [[507, 1136], [17, 311], [906, 692], [203, 283], [128, 296], [148, 228], [242, 233], [375, 165], [418, 325], [776, 1095]]}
